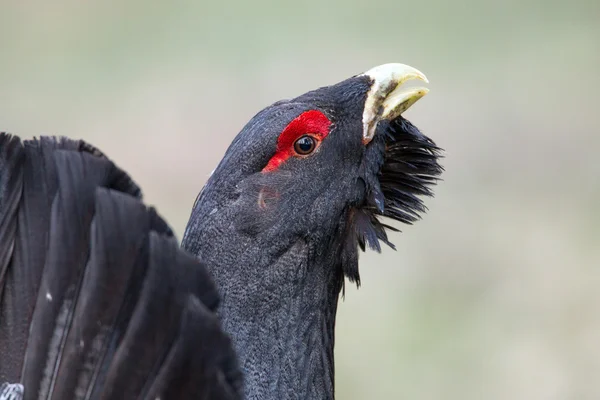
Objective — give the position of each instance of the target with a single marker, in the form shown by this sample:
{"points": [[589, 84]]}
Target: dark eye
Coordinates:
{"points": [[305, 145]]}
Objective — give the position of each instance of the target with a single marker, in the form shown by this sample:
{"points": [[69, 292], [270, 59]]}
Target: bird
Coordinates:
{"points": [[98, 300]]}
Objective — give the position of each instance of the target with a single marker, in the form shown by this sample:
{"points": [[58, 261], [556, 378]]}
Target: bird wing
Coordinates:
{"points": [[97, 300]]}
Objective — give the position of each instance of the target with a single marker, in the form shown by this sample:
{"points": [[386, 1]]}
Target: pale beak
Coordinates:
{"points": [[386, 100]]}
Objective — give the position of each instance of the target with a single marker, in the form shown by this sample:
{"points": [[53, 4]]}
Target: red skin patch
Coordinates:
{"points": [[313, 123]]}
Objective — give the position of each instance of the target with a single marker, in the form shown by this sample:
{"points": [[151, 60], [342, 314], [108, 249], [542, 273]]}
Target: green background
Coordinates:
{"points": [[495, 294]]}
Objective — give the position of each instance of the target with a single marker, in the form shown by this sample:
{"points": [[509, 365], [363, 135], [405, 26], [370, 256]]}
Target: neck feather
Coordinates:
{"points": [[278, 302]]}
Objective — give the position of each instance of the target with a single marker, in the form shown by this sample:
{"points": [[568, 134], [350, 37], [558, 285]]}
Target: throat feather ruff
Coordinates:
{"points": [[408, 170]]}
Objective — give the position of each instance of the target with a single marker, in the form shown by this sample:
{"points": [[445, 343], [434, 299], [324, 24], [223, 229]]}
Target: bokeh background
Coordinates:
{"points": [[495, 294]]}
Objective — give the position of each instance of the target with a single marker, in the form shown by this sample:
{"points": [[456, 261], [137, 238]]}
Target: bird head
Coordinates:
{"points": [[327, 165]]}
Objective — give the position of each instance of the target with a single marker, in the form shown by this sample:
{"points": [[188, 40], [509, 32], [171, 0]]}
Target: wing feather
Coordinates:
{"points": [[98, 301]]}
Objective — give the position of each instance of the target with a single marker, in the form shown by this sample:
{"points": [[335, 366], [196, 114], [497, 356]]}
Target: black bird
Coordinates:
{"points": [[98, 302]]}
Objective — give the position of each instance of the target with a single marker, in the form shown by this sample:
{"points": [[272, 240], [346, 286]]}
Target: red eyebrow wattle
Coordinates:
{"points": [[313, 122]]}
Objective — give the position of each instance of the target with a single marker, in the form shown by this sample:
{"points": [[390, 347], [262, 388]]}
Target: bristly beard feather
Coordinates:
{"points": [[393, 183]]}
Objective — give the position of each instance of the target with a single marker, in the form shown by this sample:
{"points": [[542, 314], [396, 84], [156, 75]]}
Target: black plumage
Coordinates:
{"points": [[98, 301], [279, 244], [408, 168]]}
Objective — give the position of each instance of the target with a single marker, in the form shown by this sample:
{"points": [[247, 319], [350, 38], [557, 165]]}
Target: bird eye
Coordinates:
{"points": [[305, 145]]}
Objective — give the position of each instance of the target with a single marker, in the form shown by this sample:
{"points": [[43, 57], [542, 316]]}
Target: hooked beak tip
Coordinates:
{"points": [[386, 100]]}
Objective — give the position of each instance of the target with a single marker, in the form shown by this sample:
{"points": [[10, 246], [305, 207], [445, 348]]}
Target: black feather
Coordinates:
{"points": [[183, 373], [401, 164], [98, 300], [11, 185]]}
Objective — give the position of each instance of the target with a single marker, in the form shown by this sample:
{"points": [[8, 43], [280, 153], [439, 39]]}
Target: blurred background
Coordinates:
{"points": [[496, 293]]}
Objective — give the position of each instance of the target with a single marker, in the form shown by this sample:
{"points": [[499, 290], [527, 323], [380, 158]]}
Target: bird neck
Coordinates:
{"points": [[279, 298]]}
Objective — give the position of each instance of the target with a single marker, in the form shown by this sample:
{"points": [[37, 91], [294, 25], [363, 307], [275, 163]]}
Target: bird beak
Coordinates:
{"points": [[385, 99]]}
